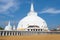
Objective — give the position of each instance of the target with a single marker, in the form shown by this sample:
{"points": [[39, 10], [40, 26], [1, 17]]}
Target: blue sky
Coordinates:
{"points": [[15, 10]]}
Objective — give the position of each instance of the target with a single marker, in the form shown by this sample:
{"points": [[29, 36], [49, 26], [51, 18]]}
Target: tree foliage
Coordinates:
{"points": [[1, 28]]}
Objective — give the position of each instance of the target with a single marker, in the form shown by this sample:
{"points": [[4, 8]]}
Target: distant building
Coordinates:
{"points": [[56, 29]]}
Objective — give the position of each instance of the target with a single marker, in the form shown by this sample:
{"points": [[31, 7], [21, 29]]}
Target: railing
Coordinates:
{"points": [[12, 33]]}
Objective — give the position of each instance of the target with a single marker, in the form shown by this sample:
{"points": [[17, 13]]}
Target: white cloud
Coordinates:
{"points": [[8, 6], [51, 11]]}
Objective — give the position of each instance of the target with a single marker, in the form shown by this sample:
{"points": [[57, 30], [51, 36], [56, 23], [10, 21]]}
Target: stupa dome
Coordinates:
{"points": [[8, 27], [32, 19]]}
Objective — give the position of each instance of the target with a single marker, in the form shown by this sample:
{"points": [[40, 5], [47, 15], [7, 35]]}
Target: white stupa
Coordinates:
{"points": [[14, 27], [8, 27], [32, 22]]}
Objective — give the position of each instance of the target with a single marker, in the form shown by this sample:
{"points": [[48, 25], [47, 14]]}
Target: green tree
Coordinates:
{"points": [[1, 28]]}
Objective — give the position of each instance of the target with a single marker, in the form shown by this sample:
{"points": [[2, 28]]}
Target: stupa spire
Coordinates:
{"points": [[32, 12], [32, 8], [9, 23]]}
